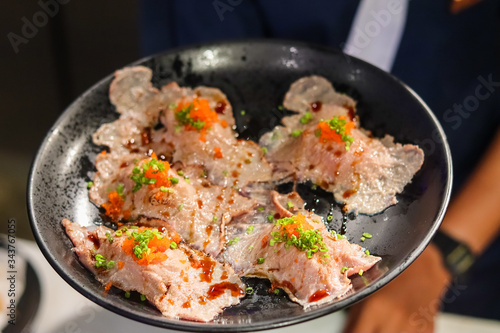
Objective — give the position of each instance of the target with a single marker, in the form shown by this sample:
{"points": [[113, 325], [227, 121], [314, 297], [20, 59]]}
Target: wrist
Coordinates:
{"points": [[438, 265]]}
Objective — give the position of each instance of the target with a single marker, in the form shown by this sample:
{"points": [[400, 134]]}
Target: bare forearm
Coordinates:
{"points": [[474, 215]]}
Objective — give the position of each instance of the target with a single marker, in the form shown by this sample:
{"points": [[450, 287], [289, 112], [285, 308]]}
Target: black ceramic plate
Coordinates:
{"points": [[255, 76]]}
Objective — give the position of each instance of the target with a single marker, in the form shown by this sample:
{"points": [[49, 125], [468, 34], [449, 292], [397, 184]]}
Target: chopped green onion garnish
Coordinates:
{"points": [[118, 233], [297, 133], [225, 172], [180, 173], [138, 173], [250, 229], [234, 240], [242, 112], [270, 218], [344, 269], [260, 261], [280, 107], [143, 298], [360, 272], [184, 118], [89, 184], [119, 189], [260, 209], [289, 205], [329, 218], [306, 118], [249, 290], [276, 135], [127, 294], [173, 245], [367, 235], [367, 252], [264, 150], [174, 180], [338, 125], [110, 239], [142, 239], [100, 261], [362, 239], [276, 291], [181, 206]]}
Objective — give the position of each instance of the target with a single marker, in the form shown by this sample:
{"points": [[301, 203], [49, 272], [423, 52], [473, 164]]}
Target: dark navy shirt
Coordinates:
{"points": [[451, 61]]}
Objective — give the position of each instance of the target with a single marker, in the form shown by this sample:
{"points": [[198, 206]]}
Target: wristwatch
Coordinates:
{"points": [[457, 256]]}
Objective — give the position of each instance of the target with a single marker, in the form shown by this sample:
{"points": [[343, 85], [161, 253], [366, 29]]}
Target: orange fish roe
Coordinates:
{"points": [[264, 241], [153, 173], [299, 221], [296, 231], [161, 177], [224, 123], [175, 237], [196, 116], [126, 214], [121, 264], [217, 152], [114, 205], [159, 195], [337, 129], [156, 248], [107, 287]]}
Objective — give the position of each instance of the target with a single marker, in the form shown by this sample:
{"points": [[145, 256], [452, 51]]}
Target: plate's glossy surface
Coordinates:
{"points": [[255, 76]]}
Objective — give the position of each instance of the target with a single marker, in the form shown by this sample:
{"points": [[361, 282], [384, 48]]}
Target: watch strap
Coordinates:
{"points": [[457, 256]]}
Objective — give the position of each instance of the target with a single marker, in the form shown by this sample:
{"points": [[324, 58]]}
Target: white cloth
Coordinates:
{"points": [[376, 31]]}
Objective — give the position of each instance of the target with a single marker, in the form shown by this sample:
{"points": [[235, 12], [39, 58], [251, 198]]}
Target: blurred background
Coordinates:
{"points": [[84, 42]]}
